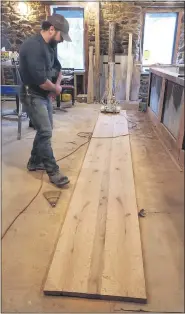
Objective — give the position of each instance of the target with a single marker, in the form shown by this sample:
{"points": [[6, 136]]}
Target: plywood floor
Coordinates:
{"points": [[99, 253], [28, 247]]}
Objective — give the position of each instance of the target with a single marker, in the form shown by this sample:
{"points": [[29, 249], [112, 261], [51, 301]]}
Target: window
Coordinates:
{"points": [[159, 37], [71, 54]]}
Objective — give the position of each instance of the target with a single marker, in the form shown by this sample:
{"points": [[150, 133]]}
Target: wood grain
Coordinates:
{"points": [[99, 254]]}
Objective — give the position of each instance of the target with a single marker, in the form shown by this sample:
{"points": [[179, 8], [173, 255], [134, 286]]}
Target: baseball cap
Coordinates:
{"points": [[61, 24]]}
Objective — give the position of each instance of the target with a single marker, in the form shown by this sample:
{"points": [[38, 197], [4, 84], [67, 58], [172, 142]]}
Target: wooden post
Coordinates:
{"points": [[111, 54], [90, 90], [97, 51], [129, 68], [179, 24], [111, 57], [86, 56]]}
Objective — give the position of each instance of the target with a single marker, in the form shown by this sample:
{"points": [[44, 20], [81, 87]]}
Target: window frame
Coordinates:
{"points": [[176, 35], [53, 9]]}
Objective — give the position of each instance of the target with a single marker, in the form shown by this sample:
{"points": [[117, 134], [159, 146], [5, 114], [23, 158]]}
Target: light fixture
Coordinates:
{"points": [[23, 8]]}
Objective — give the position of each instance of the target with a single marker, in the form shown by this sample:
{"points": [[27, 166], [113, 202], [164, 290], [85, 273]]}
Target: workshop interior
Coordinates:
{"points": [[112, 239]]}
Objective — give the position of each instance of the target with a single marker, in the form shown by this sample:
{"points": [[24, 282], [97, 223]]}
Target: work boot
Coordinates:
{"points": [[59, 180], [34, 167]]}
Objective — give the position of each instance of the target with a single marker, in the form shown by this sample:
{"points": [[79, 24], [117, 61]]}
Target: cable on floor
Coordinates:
{"points": [[41, 184], [22, 211]]}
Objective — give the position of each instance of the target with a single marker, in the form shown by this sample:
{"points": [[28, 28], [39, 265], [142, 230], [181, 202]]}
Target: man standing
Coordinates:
{"points": [[36, 66]]}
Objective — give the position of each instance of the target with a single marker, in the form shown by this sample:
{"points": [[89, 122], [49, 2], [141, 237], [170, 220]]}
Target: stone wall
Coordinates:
{"points": [[128, 19], [143, 91], [180, 54], [15, 26], [127, 15]]}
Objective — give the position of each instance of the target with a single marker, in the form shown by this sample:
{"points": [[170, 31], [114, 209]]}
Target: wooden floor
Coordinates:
{"points": [[99, 254]]}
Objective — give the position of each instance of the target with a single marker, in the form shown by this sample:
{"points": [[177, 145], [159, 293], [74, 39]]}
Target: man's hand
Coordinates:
{"points": [[58, 89]]}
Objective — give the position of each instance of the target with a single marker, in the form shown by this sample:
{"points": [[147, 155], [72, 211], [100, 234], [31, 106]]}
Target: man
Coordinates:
{"points": [[36, 66], [56, 68]]}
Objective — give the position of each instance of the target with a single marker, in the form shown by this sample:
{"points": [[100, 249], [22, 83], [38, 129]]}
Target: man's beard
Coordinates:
{"points": [[53, 43]]}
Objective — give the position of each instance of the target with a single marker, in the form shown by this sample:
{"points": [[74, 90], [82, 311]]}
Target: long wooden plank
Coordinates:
{"points": [[109, 125], [90, 89], [94, 257], [129, 68], [97, 50], [71, 264], [123, 273]]}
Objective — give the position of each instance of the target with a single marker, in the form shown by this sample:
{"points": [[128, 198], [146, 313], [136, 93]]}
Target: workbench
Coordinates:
{"points": [[166, 109]]}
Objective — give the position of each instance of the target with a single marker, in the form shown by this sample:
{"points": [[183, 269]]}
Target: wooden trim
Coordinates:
{"points": [[162, 10], [173, 145], [47, 10], [161, 99], [90, 89], [181, 126], [173, 77], [181, 158], [129, 68], [163, 133], [86, 47], [97, 51], [178, 33], [149, 90], [141, 40], [64, 3], [142, 37]]}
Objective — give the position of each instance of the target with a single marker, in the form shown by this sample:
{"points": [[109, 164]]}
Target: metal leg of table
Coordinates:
{"points": [[19, 132]]}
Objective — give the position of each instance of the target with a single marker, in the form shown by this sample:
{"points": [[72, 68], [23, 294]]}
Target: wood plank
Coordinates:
{"points": [[102, 206], [161, 99], [177, 38], [181, 126], [86, 42], [129, 67], [97, 261], [90, 89], [109, 125], [111, 52], [123, 254], [72, 259], [97, 50]]}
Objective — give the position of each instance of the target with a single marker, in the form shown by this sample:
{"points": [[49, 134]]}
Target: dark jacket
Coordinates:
{"points": [[37, 61]]}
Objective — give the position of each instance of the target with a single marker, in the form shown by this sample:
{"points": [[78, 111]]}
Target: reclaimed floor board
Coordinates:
{"points": [[99, 253]]}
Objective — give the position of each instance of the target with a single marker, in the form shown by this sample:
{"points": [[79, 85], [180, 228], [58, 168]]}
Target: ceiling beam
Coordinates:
{"points": [[159, 4]]}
